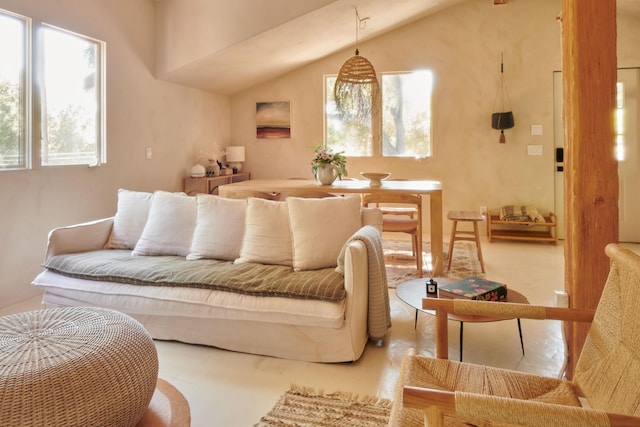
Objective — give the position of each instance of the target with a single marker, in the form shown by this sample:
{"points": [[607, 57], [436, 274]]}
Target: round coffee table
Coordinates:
{"points": [[413, 291]]}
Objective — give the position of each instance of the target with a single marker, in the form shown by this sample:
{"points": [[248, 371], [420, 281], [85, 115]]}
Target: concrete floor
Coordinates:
{"points": [[233, 389]]}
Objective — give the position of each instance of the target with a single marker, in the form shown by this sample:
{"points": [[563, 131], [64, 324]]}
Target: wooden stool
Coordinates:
{"points": [[472, 236]]}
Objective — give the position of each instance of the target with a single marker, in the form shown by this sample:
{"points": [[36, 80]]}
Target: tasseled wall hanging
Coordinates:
{"points": [[503, 119]]}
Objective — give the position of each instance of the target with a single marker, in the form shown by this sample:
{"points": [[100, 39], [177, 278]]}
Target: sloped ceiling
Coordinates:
{"points": [[225, 47]]}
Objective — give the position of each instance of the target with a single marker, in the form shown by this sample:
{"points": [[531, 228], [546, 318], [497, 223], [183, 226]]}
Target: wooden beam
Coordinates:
{"points": [[590, 169]]}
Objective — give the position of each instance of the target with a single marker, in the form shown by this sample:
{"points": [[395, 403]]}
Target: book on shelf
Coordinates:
{"points": [[474, 288]]}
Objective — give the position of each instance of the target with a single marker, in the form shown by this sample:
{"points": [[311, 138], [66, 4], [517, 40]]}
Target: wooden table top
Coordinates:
{"points": [[339, 186], [413, 291]]}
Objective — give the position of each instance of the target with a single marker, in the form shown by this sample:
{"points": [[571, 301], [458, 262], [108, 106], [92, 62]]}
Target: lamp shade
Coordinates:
{"points": [[235, 154]]}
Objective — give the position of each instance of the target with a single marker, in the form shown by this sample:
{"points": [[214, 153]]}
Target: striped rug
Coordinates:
{"points": [[401, 265], [305, 407]]}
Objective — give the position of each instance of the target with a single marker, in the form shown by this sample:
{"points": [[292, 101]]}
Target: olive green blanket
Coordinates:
{"points": [[119, 266]]}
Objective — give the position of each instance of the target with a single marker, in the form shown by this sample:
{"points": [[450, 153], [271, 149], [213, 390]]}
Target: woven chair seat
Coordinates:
{"points": [[75, 366]]}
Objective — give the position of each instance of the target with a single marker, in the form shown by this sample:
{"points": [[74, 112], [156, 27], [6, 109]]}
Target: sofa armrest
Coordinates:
{"points": [[356, 283], [88, 236]]}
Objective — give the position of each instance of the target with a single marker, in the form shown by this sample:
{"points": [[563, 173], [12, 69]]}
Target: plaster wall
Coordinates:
{"points": [[462, 45], [176, 122]]}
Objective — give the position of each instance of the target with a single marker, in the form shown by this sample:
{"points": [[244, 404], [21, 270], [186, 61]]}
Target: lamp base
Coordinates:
{"points": [[235, 165]]}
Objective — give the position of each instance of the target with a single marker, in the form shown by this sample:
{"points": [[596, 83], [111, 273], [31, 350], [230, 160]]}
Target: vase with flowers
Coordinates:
{"points": [[328, 165]]}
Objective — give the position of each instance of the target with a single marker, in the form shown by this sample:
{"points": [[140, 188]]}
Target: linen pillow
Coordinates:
{"points": [[130, 218], [320, 227], [219, 228], [267, 238], [169, 227]]}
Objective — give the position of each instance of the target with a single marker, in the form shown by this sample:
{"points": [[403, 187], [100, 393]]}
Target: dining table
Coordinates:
{"points": [[431, 189]]}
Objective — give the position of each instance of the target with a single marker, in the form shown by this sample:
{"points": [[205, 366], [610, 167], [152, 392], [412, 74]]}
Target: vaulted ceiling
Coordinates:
{"points": [[226, 47]]}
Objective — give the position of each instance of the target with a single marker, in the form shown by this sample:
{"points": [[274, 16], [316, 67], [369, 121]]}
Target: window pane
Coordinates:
{"points": [[13, 92], [406, 114], [354, 139], [71, 99]]}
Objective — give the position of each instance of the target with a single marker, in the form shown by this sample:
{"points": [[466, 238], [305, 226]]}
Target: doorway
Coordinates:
{"points": [[627, 152]]}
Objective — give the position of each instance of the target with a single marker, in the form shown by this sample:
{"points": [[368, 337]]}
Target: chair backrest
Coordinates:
{"points": [[243, 194], [401, 198], [608, 369], [310, 194]]}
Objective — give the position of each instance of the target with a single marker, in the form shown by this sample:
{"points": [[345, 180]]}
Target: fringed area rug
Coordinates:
{"points": [[304, 407], [401, 265]]}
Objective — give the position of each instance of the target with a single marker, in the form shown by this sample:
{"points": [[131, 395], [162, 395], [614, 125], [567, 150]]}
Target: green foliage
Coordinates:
{"points": [[325, 156]]}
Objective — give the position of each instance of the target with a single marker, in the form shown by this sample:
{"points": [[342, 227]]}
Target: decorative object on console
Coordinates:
{"points": [[327, 165], [356, 89], [504, 119], [235, 157], [213, 168], [198, 171]]}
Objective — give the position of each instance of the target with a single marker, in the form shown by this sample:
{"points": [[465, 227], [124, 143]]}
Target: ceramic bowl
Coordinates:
{"points": [[375, 178]]}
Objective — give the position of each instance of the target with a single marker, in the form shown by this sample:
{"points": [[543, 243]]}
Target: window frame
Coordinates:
{"points": [[31, 97], [376, 143], [25, 159]]}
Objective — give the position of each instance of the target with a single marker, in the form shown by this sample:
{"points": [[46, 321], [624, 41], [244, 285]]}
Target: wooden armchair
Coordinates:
{"points": [[438, 392]]}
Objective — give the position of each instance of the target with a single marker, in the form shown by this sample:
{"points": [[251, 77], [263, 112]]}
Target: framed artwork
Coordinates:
{"points": [[273, 120]]}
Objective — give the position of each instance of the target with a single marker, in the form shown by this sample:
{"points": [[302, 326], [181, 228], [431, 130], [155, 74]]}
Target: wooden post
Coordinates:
{"points": [[591, 171]]}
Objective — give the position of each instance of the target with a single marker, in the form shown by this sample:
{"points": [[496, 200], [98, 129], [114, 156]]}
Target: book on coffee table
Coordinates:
{"points": [[475, 288]]}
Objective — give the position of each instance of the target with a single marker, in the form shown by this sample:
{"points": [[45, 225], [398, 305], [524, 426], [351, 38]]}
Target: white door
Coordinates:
{"points": [[627, 150]]}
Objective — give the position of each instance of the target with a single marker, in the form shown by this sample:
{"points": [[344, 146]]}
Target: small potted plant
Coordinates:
{"points": [[327, 165]]}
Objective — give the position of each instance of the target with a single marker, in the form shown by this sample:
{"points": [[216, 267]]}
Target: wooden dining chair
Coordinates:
{"points": [[409, 221], [244, 194], [438, 392]]}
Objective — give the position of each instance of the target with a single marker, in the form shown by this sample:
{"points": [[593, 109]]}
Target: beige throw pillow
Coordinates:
{"points": [[219, 228], [169, 228], [267, 239], [320, 227], [130, 219]]}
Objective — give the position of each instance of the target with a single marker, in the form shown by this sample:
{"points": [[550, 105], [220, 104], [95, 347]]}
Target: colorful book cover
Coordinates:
{"points": [[475, 288]]}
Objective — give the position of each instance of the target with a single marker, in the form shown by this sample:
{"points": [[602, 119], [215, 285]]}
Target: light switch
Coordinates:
{"points": [[536, 129], [148, 153], [534, 150]]}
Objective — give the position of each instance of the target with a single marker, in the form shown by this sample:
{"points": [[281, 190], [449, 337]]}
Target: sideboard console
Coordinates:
{"points": [[210, 184]]}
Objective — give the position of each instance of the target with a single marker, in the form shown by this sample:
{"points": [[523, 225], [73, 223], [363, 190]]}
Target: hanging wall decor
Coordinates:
{"points": [[356, 89], [503, 119]]}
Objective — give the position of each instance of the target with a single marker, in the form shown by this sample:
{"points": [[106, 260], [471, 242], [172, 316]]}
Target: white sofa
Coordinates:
{"points": [[291, 238]]}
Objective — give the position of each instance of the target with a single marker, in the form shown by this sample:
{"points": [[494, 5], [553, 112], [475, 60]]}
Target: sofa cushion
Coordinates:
{"points": [[320, 228], [169, 227], [267, 239], [130, 219], [219, 228]]}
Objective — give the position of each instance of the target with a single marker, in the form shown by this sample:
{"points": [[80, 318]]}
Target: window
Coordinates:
{"points": [[352, 138], [71, 85], [406, 114], [14, 91], [71, 94], [405, 119]]}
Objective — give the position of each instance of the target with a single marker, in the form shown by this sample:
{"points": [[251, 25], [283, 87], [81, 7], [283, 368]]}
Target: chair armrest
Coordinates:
{"points": [[443, 307], [507, 309], [478, 407], [88, 236]]}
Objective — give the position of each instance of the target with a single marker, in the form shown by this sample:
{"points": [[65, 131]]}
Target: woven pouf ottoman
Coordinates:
{"points": [[75, 366]]}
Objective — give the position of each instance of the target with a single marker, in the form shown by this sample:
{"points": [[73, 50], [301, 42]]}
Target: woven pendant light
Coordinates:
{"points": [[356, 90]]}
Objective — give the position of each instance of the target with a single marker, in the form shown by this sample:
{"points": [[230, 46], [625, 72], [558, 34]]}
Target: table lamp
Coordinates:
{"points": [[235, 156]]}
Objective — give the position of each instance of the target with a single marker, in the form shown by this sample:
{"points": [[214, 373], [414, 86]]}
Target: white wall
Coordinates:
{"points": [[177, 122], [462, 45]]}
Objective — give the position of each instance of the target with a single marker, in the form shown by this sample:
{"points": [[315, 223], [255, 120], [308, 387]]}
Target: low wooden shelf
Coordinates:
{"points": [[210, 184], [523, 231]]}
